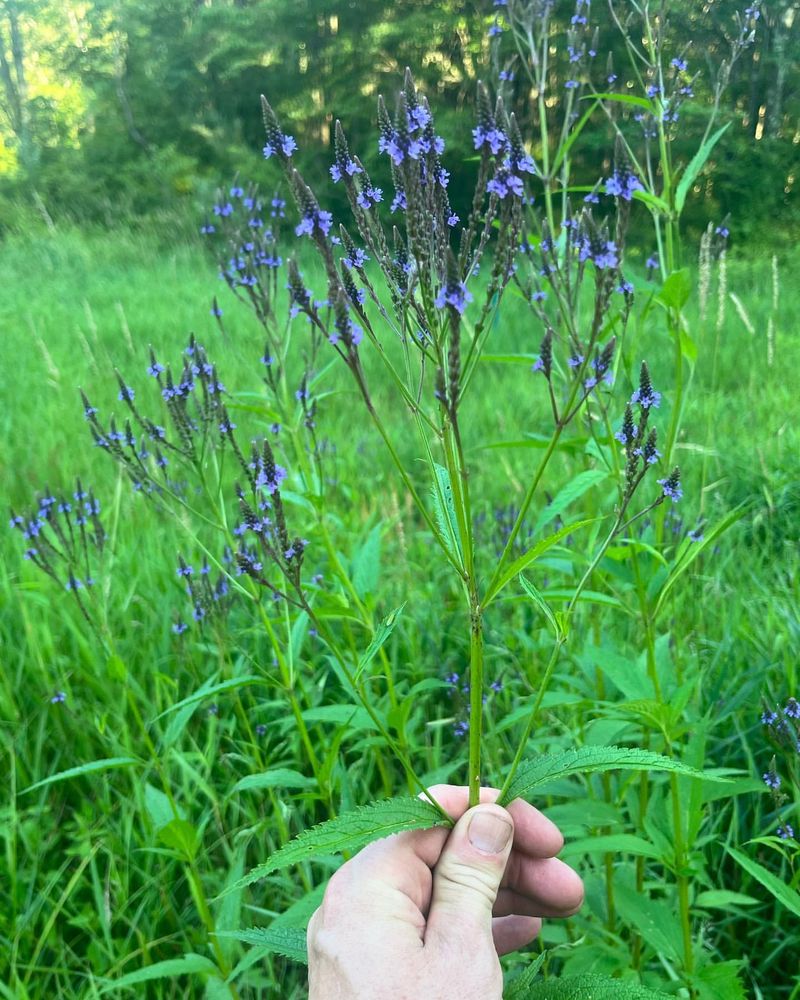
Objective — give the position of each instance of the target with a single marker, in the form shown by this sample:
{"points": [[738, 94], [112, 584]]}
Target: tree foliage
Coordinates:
{"points": [[109, 107]]}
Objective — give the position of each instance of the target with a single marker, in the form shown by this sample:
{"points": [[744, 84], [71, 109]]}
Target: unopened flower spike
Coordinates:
{"points": [[671, 486], [344, 166], [278, 143], [646, 396]]}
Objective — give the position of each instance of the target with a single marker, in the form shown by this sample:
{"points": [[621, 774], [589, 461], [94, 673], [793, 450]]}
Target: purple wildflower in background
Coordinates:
{"points": [[179, 628], [126, 394], [286, 144], [347, 167], [369, 196], [58, 698], [722, 231], [207, 228], [695, 535], [606, 256], [772, 780], [357, 258], [261, 729], [769, 718], [461, 728], [223, 210], [679, 64], [785, 832], [453, 293], [792, 709], [572, 85], [506, 74], [314, 218], [671, 486], [623, 184], [646, 396]]}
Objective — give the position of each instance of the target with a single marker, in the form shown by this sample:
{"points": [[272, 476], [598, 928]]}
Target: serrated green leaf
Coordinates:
{"points": [[586, 760], [533, 553], [188, 965], [696, 164], [590, 987], [277, 777], [518, 988], [720, 981], [109, 763], [382, 633], [566, 496], [444, 509], [287, 941], [350, 832], [786, 896]]}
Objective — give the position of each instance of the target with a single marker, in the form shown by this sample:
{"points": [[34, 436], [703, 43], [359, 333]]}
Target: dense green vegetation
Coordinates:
{"points": [[172, 713], [111, 108], [88, 892]]}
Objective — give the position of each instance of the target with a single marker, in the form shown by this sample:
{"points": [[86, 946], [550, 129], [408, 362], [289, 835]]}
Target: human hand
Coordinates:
{"points": [[425, 914]]}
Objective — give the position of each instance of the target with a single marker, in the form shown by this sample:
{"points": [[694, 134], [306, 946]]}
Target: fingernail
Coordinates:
{"points": [[488, 832]]}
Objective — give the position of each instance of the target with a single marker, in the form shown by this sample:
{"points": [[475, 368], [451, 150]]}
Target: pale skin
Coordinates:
{"points": [[425, 914]]}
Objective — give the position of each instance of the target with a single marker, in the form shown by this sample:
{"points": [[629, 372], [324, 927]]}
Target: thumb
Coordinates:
{"points": [[467, 878]]}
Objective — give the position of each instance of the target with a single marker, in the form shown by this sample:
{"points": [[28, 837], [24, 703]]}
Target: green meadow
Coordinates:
{"points": [[96, 885]]}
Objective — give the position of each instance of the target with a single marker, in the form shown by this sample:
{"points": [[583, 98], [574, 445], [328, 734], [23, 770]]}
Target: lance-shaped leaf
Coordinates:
{"points": [[350, 832], [540, 770], [590, 987], [287, 941], [786, 896], [382, 633]]}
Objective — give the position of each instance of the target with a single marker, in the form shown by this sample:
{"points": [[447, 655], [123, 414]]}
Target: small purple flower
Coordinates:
{"points": [[318, 218], [126, 394], [261, 729], [538, 296], [679, 64], [506, 74], [671, 486], [496, 686], [369, 196], [207, 228], [179, 628], [452, 679], [769, 718], [356, 259], [58, 698], [495, 29], [493, 137], [785, 831], [722, 231], [285, 144], [623, 184], [571, 84], [695, 535], [792, 709], [772, 780], [461, 728], [652, 262], [455, 294]]}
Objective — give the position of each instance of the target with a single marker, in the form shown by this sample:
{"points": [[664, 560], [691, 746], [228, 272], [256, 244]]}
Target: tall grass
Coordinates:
{"points": [[89, 891]]}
